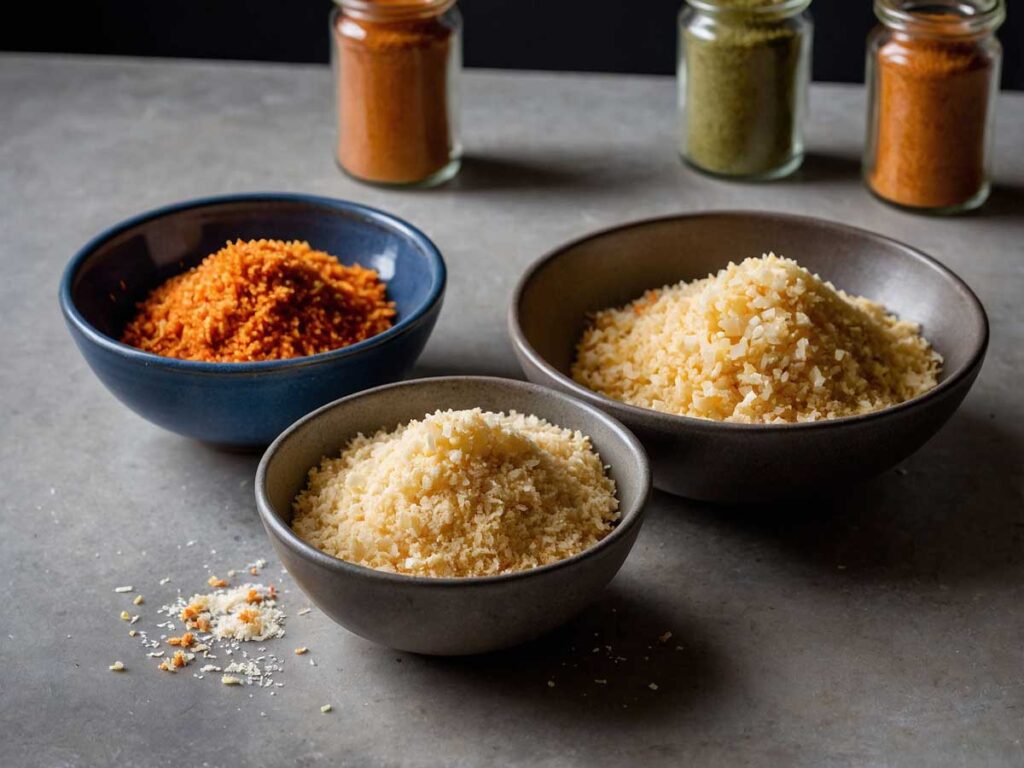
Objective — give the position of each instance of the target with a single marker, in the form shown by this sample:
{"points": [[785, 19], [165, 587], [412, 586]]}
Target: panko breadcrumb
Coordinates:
{"points": [[459, 493], [764, 341], [261, 300], [247, 612]]}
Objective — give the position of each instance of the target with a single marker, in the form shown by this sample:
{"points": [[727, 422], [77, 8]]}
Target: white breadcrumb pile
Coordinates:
{"points": [[459, 493], [249, 669], [764, 341], [248, 613]]}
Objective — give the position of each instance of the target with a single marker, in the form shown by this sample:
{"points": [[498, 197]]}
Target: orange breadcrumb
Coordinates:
{"points": [[184, 641], [261, 300], [248, 616], [177, 661], [190, 612], [253, 597], [216, 583]]}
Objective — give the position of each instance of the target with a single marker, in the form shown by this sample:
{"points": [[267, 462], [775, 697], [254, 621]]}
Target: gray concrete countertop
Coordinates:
{"points": [[881, 628]]}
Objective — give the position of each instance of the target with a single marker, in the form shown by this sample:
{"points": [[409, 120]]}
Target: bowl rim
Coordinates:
{"points": [[387, 220], [629, 518], [650, 417]]}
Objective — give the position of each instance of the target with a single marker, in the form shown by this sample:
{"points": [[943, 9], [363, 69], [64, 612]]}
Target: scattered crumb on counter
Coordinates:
{"points": [[225, 621]]}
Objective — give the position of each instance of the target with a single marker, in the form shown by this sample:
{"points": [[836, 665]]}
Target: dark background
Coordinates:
{"points": [[581, 35]]}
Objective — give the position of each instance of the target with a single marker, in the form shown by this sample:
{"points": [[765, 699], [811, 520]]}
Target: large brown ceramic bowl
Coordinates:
{"points": [[724, 462]]}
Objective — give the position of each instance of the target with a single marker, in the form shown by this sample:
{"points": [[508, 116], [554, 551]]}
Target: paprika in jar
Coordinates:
{"points": [[933, 77], [396, 67]]}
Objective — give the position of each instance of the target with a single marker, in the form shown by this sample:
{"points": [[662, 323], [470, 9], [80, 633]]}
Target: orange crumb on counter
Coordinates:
{"points": [[185, 641], [216, 583], [174, 663], [190, 612]]}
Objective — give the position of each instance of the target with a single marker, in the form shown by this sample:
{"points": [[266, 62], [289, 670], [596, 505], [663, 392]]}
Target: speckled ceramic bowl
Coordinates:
{"points": [[244, 405], [722, 462], [447, 616]]}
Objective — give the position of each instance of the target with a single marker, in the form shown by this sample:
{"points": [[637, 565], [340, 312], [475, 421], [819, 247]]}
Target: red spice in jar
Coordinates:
{"points": [[933, 104], [392, 74]]}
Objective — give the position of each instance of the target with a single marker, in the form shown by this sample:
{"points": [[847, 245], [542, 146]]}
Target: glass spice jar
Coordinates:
{"points": [[743, 73], [933, 76], [396, 68]]}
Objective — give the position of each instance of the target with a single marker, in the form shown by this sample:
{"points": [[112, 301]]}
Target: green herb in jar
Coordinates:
{"points": [[745, 69]]}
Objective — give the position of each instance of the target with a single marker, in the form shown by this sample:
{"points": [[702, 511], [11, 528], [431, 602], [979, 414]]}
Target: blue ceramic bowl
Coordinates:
{"points": [[243, 405]]}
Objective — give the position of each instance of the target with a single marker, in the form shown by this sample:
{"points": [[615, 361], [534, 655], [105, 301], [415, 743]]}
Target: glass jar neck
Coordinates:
{"points": [[942, 18], [393, 10], [749, 11]]}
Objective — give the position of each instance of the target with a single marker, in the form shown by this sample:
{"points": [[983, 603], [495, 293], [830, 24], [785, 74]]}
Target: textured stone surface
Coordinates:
{"points": [[879, 628]]}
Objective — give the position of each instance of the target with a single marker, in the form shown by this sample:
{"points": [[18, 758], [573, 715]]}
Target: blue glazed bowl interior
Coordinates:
{"points": [[120, 268]]}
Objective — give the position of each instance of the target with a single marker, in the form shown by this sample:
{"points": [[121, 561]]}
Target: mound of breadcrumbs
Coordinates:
{"points": [[459, 493], [764, 341], [261, 300]]}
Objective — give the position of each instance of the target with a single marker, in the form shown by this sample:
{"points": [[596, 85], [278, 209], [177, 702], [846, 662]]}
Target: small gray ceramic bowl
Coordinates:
{"points": [[447, 616], [724, 462]]}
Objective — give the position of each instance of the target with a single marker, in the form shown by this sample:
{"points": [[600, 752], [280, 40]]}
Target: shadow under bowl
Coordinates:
{"points": [[726, 462], [245, 405], [447, 616]]}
